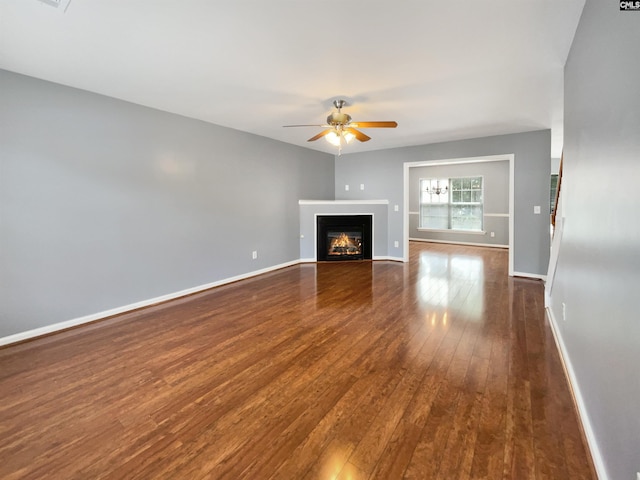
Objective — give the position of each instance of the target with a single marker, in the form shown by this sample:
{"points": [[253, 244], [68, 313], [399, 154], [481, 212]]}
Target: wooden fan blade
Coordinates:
{"points": [[320, 135], [315, 125], [374, 124], [358, 134]]}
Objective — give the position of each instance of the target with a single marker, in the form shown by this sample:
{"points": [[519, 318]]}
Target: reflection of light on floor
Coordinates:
{"points": [[470, 268], [332, 468], [335, 462], [451, 282], [433, 318], [434, 290]]}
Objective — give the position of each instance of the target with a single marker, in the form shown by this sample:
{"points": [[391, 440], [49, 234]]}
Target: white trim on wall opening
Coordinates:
{"points": [[453, 161]]}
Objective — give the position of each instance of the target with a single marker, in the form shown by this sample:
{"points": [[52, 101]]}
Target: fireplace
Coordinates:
{"points": [[344, 237]]}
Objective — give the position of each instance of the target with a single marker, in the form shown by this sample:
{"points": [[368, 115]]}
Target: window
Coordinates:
{"points": [[451, 203]]}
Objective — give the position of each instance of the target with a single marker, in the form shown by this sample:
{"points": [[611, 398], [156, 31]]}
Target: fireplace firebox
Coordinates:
{"points": [[344, 237]]}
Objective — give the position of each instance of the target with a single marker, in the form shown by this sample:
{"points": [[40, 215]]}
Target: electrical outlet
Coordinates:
{"points": [[346, 188], [396, 244], [493, 234], [396, 208], [254, 254], [362, 186], [536, 209]]}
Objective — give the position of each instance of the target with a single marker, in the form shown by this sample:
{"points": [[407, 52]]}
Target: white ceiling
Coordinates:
{"points": [[443, 70]]}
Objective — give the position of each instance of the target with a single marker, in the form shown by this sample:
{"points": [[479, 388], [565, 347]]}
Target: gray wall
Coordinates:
{"points": [[496, 201], [382, 174], [598, 271], [104, 203]]}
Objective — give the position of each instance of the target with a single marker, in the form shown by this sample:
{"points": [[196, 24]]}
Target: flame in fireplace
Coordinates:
{"points": [[344, 245]]}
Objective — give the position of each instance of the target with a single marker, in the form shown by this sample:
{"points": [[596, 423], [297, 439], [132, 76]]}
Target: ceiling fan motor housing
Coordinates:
{"points": [[338, 118]]}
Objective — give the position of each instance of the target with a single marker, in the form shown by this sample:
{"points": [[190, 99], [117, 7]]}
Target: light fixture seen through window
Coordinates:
{"points": [[436, 189]]}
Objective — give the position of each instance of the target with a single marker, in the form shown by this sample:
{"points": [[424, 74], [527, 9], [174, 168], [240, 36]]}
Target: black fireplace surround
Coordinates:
{"points": [[344, 237]]}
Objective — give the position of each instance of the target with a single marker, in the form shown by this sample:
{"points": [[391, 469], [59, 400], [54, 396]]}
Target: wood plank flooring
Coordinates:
{"points": [[441, 368]]}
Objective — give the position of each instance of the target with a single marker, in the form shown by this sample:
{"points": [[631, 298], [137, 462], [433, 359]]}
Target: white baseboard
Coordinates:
{"points": [[393, 259], [472, 244], [577, 395], [37, 332], [530, 275]]}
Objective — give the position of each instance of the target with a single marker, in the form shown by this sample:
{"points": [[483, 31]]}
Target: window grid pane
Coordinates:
{"points": [[458, 208]]}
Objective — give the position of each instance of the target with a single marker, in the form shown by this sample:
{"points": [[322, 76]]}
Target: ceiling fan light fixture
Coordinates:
{"points": [[339, 131], [333, 138], [337, 138]]}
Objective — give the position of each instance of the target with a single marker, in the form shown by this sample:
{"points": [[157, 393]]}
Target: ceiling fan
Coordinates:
{"points": [[341, 130]]}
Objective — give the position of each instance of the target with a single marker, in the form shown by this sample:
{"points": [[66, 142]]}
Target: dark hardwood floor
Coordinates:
{"points": [[440, 368]]}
